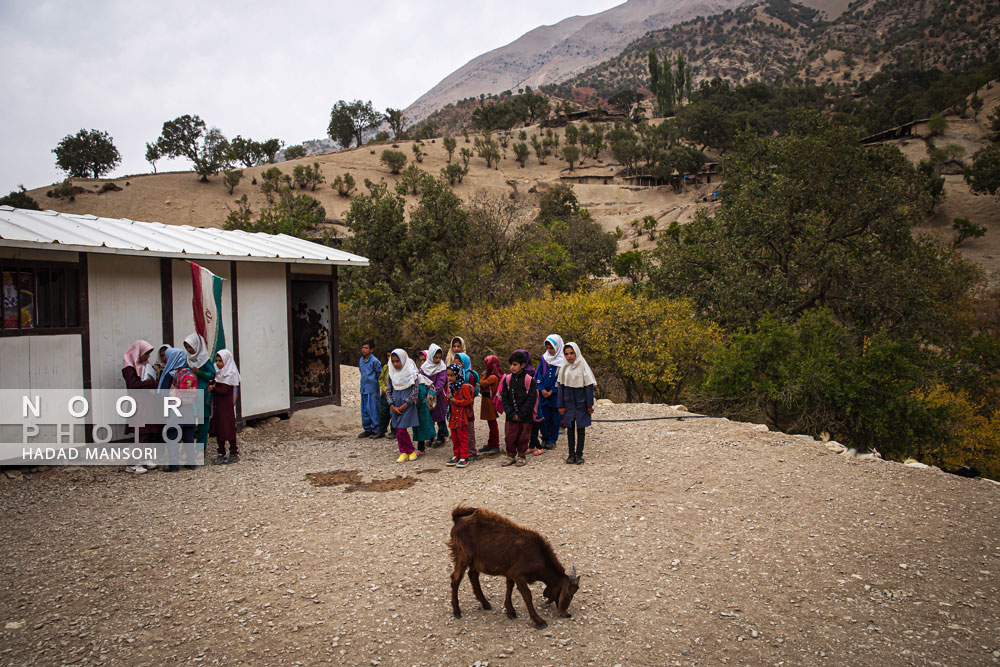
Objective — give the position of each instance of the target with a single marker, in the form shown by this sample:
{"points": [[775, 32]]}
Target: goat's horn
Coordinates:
{"points": [[572, 571]]}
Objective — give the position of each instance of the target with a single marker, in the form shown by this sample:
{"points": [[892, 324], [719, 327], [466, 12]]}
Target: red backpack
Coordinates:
{"points": [[185, 382], [498, 404]]}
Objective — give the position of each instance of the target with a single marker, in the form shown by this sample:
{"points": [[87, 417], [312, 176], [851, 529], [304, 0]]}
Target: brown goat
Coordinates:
{"points": [[483, 541]]}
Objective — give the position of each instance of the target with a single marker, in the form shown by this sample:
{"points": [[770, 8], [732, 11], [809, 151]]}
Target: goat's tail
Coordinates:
{"points": [[461, 511]]}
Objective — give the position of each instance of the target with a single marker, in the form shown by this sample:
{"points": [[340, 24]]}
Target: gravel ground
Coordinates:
{"points": [[699, 542]]}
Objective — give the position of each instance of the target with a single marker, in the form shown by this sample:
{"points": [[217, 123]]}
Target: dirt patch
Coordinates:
{"points": [[428, 471], [353, 481]]}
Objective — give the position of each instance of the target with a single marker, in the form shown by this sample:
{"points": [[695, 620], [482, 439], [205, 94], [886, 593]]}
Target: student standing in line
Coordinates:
{"points": [[370, 368], [548, 390], [175, 376], [490, 387], [402, 393], [423, 433], [223, 389], [435, 370], [518, 396], [460, 397], [576, 399], [472, 379]]}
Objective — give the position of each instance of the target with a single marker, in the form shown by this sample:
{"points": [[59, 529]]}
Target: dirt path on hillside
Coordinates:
{"points": [[699, 542]]}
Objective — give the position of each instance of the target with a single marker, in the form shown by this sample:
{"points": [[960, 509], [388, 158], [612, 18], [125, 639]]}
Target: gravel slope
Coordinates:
{"points": [[699, 542]]}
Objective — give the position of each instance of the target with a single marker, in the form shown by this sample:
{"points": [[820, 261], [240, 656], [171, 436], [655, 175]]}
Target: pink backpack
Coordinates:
{"points": [[498, 404]]}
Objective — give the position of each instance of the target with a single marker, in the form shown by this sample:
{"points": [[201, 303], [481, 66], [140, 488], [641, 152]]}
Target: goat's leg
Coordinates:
{"points": [[508, 604], [477, 589], [526, 594], [456, 579]]}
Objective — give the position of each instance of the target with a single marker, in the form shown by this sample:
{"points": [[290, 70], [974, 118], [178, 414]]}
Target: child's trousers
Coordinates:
{"points": [[369, 412], [460, 442], [494, 440], [383, 414], [576, 443], [404, 441], [550, 427], [517, 435]]}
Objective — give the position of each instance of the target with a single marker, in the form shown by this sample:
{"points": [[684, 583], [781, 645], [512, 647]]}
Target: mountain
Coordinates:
{"points": [[553, 53], [778, 39]]}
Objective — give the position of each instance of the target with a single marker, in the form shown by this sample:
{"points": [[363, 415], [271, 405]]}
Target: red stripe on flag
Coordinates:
{"points": [[196, 302]]}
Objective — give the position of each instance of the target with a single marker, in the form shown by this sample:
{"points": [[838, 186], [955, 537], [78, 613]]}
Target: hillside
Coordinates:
{"points": [[780, 40], [549, 54]]}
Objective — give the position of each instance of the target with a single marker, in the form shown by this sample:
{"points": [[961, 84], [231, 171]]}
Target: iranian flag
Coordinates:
{"points": [[207, 303]]}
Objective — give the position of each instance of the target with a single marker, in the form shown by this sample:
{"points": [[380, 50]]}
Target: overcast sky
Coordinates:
{"points": [[259, 69]]}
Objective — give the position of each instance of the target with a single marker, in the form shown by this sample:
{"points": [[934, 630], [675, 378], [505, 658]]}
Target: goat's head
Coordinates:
{"points": [[565, 591]]}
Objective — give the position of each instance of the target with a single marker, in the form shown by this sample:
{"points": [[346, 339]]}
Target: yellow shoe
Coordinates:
{"points": [[402, 457], [412, 456]]}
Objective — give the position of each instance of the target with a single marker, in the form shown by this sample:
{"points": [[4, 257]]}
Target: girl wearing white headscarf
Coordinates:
{"points": [[223, 391], [436, 370], [548, 392], [576, 399], [402, 393], [199, 359]]}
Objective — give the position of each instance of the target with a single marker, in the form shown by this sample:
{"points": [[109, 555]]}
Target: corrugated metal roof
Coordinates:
{"points": [[51, 230]]}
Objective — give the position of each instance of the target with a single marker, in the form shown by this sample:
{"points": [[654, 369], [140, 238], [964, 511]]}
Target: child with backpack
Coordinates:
{"points": [[384, 416], [519, 397], [490, 388], [460, 397], [576, 399], [472, 379], [548, 390], [534, 446], [176, 377], [401, 393]]}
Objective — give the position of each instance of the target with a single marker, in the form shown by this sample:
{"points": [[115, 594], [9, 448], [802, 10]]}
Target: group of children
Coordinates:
{"points": [[175, 369], [437, 400]]}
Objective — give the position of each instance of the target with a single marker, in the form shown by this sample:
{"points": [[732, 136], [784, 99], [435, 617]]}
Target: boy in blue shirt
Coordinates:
{"points": [[371, 369]]}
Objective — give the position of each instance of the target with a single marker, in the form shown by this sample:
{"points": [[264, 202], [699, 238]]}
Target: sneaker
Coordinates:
{"points": [[220, 459], [135, 470], [453, 461], [402, 457], [579, 459], [571, 458], [414, 455], [365, 434], [232, 458], [377, 436], [462, 463], [488, 451], [509, 462]]}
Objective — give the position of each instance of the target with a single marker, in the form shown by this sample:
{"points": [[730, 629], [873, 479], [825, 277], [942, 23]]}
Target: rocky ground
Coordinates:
{"points": [[699, 542]]}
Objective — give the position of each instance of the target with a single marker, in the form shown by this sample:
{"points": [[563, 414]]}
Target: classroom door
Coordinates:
{"points": [[312, 340]]}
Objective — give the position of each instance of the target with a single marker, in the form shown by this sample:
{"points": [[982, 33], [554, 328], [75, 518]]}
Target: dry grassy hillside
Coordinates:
{"points": [[179, 197]]}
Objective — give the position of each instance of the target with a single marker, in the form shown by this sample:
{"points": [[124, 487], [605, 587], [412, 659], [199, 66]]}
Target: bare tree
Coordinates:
{"points": [[503, 227]]}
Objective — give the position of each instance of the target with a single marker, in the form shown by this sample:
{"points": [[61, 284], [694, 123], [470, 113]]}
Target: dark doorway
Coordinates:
{"points": [[312, 340]]}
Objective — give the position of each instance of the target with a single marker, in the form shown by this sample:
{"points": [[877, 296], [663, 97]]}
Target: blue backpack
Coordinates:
{"points": [[474, 383]]}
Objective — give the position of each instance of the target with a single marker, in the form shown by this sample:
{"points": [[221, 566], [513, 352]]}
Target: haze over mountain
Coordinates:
{"points": [[552, 53]]}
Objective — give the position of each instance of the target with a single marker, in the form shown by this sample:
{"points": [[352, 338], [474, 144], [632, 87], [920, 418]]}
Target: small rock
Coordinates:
{"points": [[13, 474]]}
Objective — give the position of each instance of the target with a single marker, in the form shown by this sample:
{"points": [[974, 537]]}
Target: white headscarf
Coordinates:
{"points": [[557, 359], [429, 367], [201, 353], [578, 373], [228, 374], [423, 379], [406, 375]]}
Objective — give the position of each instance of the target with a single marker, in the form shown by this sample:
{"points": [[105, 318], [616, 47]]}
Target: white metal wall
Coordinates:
{"points": [[39, 362], [263, 318], [125, 306]]}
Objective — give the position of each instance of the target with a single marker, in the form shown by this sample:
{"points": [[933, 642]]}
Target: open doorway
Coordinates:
{"points": [[312, 340]]}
